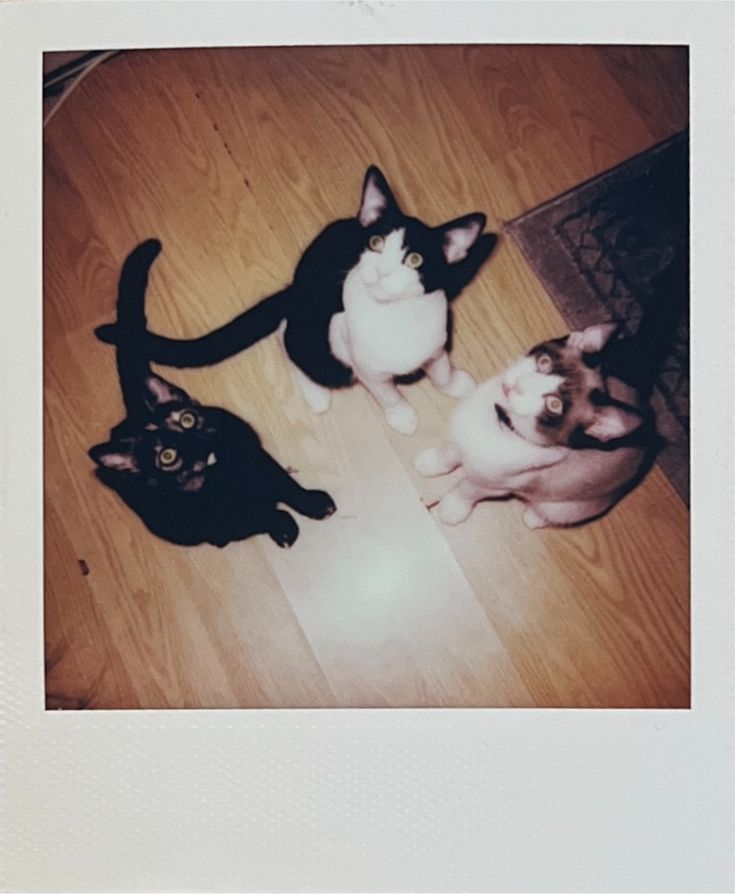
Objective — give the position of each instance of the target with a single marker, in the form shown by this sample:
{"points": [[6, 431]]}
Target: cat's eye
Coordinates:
{"points": [[554, 405], [414, 260], [376, 243], [167, 457], [187, 419], [544, 363]]}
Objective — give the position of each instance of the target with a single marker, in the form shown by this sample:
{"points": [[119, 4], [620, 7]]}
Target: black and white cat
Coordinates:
{"points": [[194, 474], [369, 302], [567, 429]]}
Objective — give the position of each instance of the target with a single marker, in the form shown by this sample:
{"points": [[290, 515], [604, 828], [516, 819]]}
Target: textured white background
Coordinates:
{"points": [[467, 800]]}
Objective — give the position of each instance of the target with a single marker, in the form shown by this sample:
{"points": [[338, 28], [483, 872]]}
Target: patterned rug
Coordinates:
{"points": [[596, 250]]}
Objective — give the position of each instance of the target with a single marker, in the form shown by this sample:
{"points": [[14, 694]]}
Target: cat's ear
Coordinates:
{"points": [[460, 235], [612, 422], [116, 455], [594, 338], [159, 391], [376, 197]]}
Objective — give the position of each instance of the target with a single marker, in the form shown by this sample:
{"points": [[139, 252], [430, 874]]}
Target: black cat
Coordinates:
{"points": [[193, 474], [369, 301]]}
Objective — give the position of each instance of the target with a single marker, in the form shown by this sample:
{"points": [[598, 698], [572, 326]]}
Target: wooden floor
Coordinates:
{"points": [[235, 159]]}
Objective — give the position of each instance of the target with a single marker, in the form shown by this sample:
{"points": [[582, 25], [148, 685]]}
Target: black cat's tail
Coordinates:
{"points": [[240, 333], [132, 287], [638, 360], [132, 363]]}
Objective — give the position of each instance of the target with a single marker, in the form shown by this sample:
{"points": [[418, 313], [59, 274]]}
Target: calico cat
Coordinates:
{"points": [[369, 302], [194, 474], [567, 429]]}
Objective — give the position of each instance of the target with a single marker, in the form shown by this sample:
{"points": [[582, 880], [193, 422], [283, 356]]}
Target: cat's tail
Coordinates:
{"points": [[638, 360], [132, 288], [132, 364], [240, 333]]}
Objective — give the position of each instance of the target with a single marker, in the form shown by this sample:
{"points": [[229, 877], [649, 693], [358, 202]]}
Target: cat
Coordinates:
{"points": [[194, 474], [567, 429], [369, 302]]}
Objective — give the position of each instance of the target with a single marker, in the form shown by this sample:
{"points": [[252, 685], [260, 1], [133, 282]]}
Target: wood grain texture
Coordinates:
{"points": [[235, 159]]}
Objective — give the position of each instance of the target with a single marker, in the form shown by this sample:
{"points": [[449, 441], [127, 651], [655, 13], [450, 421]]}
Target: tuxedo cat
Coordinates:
{"points": [[369, 302], [194, 474], [568, 428]]}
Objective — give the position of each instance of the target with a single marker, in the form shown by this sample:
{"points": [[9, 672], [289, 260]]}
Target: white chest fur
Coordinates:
{"points": [[490, 452], [392, 337]]}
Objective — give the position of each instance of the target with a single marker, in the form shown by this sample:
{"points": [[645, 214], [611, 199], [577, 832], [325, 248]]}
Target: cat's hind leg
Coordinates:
{"points": [[542, 515], [316, 396], [437, 461], [447, 378], [457, 504]]}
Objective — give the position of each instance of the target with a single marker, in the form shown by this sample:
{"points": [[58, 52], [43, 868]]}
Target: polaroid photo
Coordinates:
{"points": [[364, 528]]}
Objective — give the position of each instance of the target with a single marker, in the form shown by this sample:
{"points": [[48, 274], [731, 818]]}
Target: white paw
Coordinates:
{"points": [[318, 399], [402, 417], [533, 520], [453, 509], [460, 384], [429, 462]]}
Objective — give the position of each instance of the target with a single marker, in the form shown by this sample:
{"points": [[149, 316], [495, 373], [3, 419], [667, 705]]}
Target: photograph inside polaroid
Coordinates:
{"points": [[366, 377]]}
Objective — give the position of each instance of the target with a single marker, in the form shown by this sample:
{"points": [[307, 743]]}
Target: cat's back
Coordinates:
{"points": [[330, 255]]}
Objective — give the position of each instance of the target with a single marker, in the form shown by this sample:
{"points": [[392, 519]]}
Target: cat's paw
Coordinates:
{"points": [[318, 398], [318, 504], [453, 509], [429, 462], [533, 520], [284, 530], [460, 384], [402, 417]]}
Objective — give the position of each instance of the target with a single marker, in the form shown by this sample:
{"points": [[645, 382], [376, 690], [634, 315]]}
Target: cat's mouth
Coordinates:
{"points": [[193, 482]]}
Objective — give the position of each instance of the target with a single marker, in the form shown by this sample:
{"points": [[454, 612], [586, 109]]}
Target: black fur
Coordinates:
{"points": [[315, 296], [223, 485], [638, 359], [635, 360]]}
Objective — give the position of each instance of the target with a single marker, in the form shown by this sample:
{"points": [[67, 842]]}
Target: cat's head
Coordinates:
{"points": [[402, 256], [172, 450], [557, 394]]}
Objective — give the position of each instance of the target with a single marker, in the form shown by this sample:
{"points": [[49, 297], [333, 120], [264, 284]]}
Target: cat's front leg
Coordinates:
{"points": [[281, 528], [446, 378], [281, 485], [399, 413], [437, 461], [311, 503]]}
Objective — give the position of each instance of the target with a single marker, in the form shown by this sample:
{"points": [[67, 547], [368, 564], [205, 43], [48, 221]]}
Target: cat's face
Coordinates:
{"points": [[404, 258], [557, 392], [172, 451]]}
